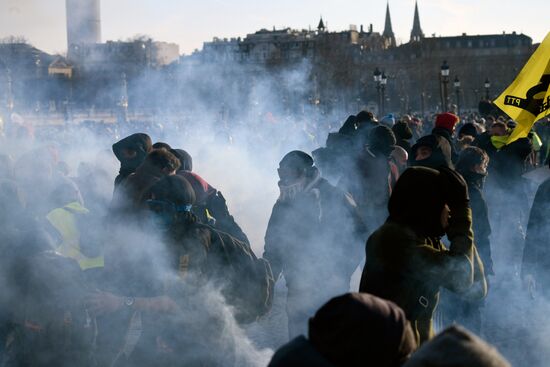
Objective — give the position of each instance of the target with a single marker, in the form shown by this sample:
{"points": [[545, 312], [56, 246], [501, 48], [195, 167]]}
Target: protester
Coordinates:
{"points": [[131, 152], [355, 329], [314, 236], [536, 252], [456, 347], [406, 261]]}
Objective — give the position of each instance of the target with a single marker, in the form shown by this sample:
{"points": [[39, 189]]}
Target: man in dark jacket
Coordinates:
{"points": [[445, 127], [355, 329], [535, 267], [131, 152], [368, 179], [314, 236]]}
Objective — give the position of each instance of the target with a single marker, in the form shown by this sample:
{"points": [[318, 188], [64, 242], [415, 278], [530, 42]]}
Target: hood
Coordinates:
{"points": [[417, 201], [185, 159], [402, 130], [457, 347], [441, 152], [358, 329], [140, 143]]}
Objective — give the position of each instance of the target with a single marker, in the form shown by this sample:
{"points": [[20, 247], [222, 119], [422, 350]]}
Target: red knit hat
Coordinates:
{"points": [[446, 120]]}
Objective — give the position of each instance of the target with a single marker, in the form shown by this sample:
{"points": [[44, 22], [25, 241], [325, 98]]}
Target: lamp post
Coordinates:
{"points": [[487, 85], [444, 77], [377, 76], [383, 82], [457, 91]]}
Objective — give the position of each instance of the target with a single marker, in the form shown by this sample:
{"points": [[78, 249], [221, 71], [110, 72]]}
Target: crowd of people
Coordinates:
{"points": [[388, 237]]}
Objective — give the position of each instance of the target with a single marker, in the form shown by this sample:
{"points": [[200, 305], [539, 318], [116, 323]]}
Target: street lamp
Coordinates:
{"points": [[487, 86], [383, 82], [444, 77], [377, 76], [457, 91]]}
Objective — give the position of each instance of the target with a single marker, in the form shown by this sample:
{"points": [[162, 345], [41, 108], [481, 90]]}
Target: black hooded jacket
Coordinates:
{"points": [[141, 144]]}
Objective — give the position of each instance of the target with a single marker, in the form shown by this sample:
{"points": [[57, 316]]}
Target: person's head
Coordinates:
{"points": [[473, 159], [447, 121], [457, 347], [132, 150], [364, 117], [381, 141], [400, 157], [388, 120], [498, 128], [185, 159], [431, 151], [295, 167], [418, 200], [467, 129], [402, 130], [161, 160], [359, 329], [161, 145], [172, 197]]}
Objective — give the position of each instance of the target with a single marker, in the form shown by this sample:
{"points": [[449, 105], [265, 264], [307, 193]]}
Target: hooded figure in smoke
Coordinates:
{"points": [[210, 205], [355, 329], [165, 289], [135, 189], [314, 236], [369, 177], [406, 261], [535, 267], [131, 152]]}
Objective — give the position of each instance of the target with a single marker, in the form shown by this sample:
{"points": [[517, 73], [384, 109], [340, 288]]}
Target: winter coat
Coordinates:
{"points": [[315, 238], [457, 347], [299, 352], [406, 261], [206, 255], [368, 180], [352, 330], [536, 252], [211, 208], [480, 218]]}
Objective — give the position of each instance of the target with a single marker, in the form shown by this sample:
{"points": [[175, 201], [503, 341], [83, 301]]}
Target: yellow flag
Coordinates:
{"points": [[527, 99]]}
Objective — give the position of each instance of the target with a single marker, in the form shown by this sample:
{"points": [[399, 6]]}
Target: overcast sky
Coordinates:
{"points": [[191, 22]]}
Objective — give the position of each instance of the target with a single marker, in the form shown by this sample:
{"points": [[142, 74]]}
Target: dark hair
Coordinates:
{"points": [[174, 189], [470, 157], [162, 159]]}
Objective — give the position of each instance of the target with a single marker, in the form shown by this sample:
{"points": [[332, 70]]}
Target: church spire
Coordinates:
{"points": [[416, 33], [388, 31], [321, 26]]}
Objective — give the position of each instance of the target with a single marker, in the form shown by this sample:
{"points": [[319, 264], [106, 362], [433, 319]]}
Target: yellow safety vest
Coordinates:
{"points": [[64, 221]]}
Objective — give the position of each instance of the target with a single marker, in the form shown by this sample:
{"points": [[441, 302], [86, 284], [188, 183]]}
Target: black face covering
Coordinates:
{"points": [[441, 152], [417, 201]]}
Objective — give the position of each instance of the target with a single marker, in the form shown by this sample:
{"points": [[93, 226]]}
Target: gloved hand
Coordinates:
{"points": [[459, 231]]}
